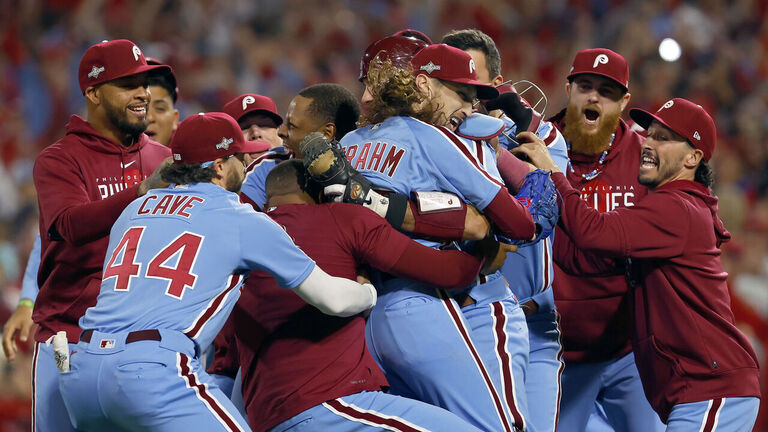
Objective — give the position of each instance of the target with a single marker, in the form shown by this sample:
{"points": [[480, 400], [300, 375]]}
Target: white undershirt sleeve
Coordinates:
{"points": [[334, 295]]}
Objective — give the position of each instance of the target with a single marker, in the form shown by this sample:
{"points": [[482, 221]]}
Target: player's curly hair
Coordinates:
{"points": [[704, 174], [394, 93], [187, 173]]}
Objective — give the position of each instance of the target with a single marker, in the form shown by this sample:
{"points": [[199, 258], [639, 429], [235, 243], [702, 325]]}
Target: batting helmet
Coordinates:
{"points": [[397, 49]]}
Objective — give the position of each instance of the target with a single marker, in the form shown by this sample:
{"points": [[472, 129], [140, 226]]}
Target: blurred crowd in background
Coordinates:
{"points": [[220, 49]]}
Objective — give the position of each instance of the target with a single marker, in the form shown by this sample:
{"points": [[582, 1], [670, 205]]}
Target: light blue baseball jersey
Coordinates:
{"points": [[177, 258], [531, 267], [404, 155], [256, 175]]}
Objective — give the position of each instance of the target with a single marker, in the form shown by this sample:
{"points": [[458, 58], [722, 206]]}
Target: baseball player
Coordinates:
{"points": [[460, 223], [162, 114], [595, 320], [302, 367], [162, 120], [698, 370], [486, 341], [172, 273], [327, 108], [83, 182], [258, 118], [529, 269]]}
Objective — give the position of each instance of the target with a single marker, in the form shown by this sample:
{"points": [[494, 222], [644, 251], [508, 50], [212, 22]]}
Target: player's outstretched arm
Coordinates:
{"points": [[67, 211], [334, 295], [20, 323]]}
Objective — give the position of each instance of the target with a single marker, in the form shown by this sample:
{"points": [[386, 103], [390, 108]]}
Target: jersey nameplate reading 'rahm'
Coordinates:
{"points": [[372, 157]]}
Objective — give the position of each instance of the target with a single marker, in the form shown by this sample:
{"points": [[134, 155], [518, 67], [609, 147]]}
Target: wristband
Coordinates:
{"points": [[398, 205], [26, 302]]}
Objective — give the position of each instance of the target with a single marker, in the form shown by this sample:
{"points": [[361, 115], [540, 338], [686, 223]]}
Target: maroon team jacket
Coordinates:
{"points": [[595, 319], [83, 182], [686, 346]]}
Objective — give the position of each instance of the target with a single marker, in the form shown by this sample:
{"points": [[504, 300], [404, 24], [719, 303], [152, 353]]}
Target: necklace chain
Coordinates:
{"points": [[594, 173]]}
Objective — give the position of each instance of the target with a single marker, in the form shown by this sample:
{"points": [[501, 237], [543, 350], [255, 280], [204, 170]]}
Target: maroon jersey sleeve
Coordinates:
{"points": [[65, 208], [510, 217], [575, 261], [375, 242], [446, 225], [650, 229]]}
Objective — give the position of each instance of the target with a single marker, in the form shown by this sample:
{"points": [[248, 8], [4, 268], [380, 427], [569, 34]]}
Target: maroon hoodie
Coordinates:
{"points": [[83, 181], [687, 347], [593, 304]]}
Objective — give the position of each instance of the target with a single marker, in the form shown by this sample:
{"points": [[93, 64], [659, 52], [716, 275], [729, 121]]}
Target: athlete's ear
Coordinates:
{"points": [[219, 166], [329, 131], [93, 95], [423, 84], [175, 119], [625, 100], [692, 159]]}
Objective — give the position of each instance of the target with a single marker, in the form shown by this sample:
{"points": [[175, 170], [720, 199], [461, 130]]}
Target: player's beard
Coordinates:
{"points": [[119, 118], [589, 143], [234, 181]]}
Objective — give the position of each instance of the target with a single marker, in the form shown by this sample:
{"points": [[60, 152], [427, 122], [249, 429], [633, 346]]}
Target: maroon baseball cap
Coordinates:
{"points": [[397, 49], [248, 103], [601, 61], [110, 60], [687, 119], [450, 64], [207, 136]]}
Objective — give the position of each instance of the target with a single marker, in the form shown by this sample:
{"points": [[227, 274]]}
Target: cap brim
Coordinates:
{"points": [[254, 147], [573, 74], [644, 119], [150, 69], [276, 117], [484, 91]]}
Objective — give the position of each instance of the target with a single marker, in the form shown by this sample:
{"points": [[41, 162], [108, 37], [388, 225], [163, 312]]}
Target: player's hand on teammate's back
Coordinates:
{"points": [[21, 324], [494, 253], [534, 149], [154, 181]]}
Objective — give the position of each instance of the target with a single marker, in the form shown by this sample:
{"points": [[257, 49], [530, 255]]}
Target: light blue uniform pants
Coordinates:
{"points": [[470, 361], [733, 414], [145, 385], [374, 411], [616, 386]]}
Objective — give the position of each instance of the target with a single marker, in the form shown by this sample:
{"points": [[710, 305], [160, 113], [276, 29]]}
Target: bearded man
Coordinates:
{"points": [[595, 322]]}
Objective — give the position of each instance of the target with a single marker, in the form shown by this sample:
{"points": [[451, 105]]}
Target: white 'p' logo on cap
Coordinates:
{"points": [[601, 59], [697, 136], [248, 100], [668, 104], [136, 53], [471, 65]]}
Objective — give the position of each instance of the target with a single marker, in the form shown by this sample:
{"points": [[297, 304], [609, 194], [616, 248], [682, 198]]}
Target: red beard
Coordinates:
{"points": [[589, 143]]}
